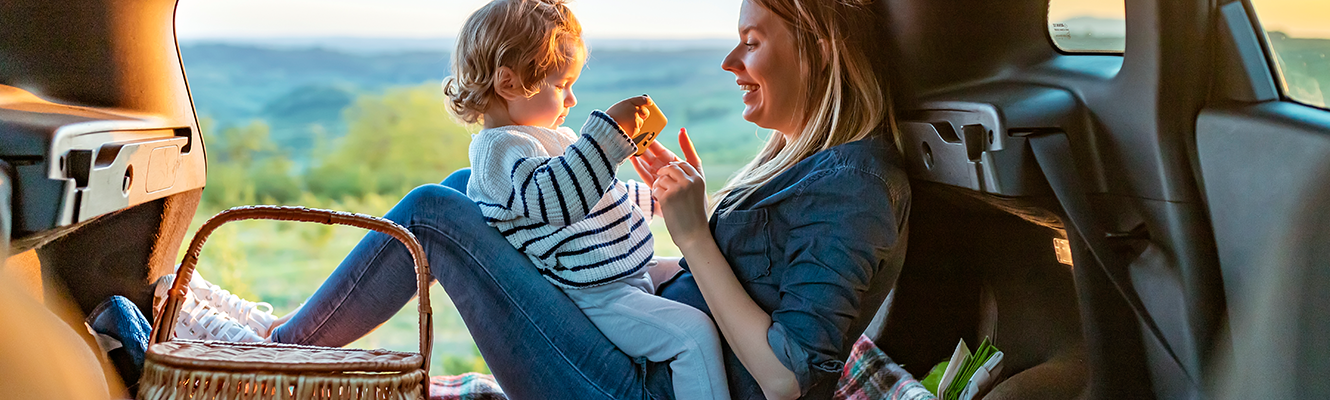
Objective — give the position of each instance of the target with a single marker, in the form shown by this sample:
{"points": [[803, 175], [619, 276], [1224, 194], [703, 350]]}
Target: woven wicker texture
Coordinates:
{"points": [[165, 383], [279, 357], [185, 369]]}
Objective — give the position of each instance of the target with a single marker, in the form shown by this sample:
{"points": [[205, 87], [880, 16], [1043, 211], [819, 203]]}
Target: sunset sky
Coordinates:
{"points": [[672, 19], [681, 19]]}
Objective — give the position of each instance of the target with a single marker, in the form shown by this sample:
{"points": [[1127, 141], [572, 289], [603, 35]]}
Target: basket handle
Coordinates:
{"points": [[164, 327]]}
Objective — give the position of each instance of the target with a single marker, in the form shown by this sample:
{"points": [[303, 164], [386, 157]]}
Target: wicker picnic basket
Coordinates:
{"points": [[189, 369]]}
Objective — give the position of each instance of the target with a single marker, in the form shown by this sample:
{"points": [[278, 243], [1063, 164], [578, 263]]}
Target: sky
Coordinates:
{"points": [[629, 19], [635, 19], [1298, 18]]}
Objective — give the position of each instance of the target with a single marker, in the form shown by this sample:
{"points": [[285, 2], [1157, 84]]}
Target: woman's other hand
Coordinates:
{"points": [[655, 158], [682, 191], [646, 165]]}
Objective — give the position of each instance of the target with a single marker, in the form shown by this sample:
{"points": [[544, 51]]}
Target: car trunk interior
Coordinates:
{"points": [[979, 84], [981, 94]]}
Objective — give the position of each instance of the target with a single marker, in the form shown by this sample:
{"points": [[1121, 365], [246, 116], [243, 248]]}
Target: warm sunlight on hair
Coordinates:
{"points": [[531, 37]]}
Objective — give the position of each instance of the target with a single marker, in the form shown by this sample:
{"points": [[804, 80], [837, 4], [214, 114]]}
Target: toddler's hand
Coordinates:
{"points": [[630, 113]]}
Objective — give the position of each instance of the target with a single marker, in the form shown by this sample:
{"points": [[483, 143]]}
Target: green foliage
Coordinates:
{"points": [[245, 166], [461, 364], [395, 141]]}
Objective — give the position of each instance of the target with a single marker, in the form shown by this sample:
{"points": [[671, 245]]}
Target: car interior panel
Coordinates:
{"points": [[1263, 167], [1279, 329], [1128, 120], [1182, 175], [98, 128]]}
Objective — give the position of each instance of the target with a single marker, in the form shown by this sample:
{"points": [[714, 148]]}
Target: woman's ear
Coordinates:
{"points": [[507, 85]]}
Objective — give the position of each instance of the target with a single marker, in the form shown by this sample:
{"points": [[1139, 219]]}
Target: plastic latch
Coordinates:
{"points": [[78, 165]]}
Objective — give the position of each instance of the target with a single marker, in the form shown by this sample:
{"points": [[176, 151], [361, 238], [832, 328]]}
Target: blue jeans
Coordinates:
{"points": [[537, 343], [642, 324]]}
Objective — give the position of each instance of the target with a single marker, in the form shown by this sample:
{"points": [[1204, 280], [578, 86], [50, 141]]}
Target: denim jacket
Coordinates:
{"points": [[819, 247]]}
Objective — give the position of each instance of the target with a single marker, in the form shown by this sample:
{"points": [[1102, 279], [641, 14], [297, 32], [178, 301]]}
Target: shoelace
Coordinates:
{"points": [[240, 309], [215, 324]]}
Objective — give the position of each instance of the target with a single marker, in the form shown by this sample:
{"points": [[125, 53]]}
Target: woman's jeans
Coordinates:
{"points": [[535, 340]]}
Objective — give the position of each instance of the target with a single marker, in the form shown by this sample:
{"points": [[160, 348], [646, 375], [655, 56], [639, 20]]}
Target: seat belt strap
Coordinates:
{"points": [[1053, 153]]}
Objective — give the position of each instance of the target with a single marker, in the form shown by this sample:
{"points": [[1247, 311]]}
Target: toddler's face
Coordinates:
{"points": [[549, 106]]}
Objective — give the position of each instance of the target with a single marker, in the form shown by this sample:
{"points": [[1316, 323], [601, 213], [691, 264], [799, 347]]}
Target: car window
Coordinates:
{"points": [[1298, 33], [1088, 26]]}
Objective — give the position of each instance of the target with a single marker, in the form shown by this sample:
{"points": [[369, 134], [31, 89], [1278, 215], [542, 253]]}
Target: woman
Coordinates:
{"points": [[802, 246]]}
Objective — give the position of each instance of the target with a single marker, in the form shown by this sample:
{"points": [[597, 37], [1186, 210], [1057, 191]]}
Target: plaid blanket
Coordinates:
{"points": [[869, 375], [469, 386]]}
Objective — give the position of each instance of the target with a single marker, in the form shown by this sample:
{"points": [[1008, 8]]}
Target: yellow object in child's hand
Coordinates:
{"points": [[650, 129]]}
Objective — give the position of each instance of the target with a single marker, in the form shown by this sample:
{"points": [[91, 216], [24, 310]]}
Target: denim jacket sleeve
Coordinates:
{"points": [[841, 226]]}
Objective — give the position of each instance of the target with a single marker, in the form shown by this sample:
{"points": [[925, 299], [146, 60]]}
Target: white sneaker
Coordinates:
{"points": [[199, 320], [257, 316]]}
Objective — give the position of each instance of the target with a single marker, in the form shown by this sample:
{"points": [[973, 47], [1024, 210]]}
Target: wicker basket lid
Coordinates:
{"points": [[195, 354]]}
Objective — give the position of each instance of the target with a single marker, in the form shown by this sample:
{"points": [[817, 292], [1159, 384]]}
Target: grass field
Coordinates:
{"points": [[283, 263]]}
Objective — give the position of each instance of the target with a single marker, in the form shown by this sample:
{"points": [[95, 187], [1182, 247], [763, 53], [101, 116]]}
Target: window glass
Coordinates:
{"points": [[1088, 26], [1299, 35]]}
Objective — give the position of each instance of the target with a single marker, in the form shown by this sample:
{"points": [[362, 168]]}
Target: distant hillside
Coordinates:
{"points": [[299, 91], [358, 45], [361, 45], [293, 89]]}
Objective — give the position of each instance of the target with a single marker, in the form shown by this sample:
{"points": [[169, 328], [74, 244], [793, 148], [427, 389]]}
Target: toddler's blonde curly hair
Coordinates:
{"points": [[531, 37]]}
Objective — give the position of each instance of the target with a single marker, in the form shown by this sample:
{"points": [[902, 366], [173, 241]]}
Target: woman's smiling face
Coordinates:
{"points": [[766, 67]]}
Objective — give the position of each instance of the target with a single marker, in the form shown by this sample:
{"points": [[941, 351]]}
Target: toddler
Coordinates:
{"points": [[553, 194]]}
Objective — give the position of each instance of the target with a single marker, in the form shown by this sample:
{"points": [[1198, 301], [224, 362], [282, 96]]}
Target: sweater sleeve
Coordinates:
{"points": [[639, 193], [555, 190]]}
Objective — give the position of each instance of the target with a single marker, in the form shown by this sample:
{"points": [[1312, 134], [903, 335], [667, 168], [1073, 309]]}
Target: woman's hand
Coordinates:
{"points": [[655, 158], [682, 191], [646, 165]]}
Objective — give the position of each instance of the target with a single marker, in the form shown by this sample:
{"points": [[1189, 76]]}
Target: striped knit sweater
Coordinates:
{"points": [[553, 195]]}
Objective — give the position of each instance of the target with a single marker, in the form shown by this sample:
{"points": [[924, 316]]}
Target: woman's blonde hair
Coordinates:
{"points": [[847, 98], [531, 37]]}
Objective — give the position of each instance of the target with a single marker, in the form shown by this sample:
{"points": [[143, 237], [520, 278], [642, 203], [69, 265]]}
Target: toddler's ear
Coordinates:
{"points": [[508, 85]]}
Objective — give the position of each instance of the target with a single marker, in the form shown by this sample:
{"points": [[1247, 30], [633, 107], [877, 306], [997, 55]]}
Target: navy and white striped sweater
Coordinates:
{"points": [[553, 195]]}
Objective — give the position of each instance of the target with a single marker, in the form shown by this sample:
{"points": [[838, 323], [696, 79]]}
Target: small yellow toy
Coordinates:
{"points": [[650, 129]]}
